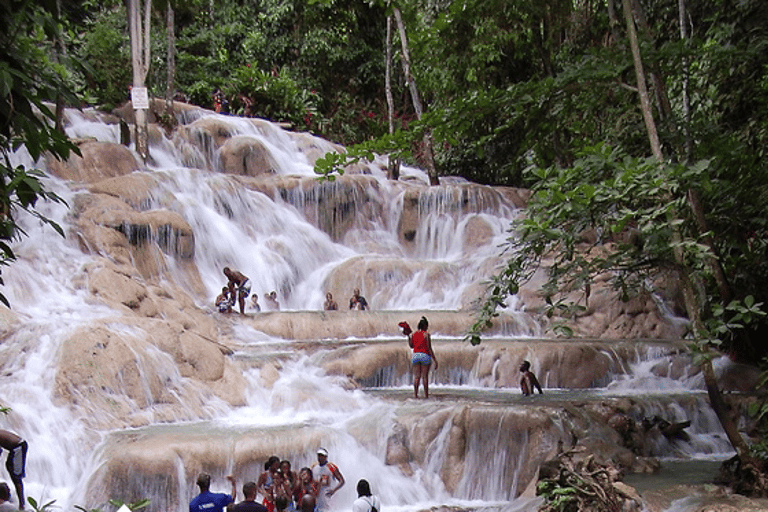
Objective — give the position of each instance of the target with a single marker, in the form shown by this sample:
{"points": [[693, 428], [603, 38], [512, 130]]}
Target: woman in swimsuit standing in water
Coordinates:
{"points": [[423, 356]]}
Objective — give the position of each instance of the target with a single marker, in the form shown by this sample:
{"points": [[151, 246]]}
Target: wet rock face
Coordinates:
{"points": [[150, 370], [246, 157]]}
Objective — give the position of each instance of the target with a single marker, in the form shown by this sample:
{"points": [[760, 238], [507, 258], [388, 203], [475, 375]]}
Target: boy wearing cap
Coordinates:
{"points": [[324, 472], [208, 501]]}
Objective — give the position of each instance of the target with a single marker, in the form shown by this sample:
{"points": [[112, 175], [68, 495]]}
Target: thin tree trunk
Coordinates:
{"points": [[692, 304], [429, 159], [642, 86], [140, 62], [686, 79], [61, 50], [393, 166], [171, 58], [659, 87]]}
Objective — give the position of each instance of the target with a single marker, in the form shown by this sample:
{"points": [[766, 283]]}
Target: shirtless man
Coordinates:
{"points": [[239, 282], [528, 381], [16, 462]]}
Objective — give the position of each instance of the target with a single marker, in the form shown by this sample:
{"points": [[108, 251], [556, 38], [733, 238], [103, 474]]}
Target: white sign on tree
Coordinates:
{"points": [[140, 97]]}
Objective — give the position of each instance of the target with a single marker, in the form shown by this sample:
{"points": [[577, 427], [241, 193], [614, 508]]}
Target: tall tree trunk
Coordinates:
{"points": [[692, 303], [429, 158], [140, 53], [170, 90], [659, 87], [59, 52], [393, 166], [686, 82]]}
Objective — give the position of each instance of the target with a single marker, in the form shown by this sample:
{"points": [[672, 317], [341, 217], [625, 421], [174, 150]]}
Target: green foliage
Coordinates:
{"points": [[137, 505], [273, 96], [27, 80], [609, 215], [556, 497], [103, 45], [40, 507]]}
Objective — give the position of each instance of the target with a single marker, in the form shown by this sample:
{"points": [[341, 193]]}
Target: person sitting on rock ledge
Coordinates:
{"points": [[330, 304], [270, 301], [358, 301], [223, 301], [528, 381], [255, 302]]}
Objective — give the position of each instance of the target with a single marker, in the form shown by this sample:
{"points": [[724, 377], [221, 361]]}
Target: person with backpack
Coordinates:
{"points": [[365, 502]]}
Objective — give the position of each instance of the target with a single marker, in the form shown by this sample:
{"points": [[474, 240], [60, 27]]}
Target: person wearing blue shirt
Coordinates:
{"points": [[208, 501]]}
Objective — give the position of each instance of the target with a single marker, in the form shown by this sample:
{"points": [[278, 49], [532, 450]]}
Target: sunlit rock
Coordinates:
{"points": [[99, 160], [136, 188]]}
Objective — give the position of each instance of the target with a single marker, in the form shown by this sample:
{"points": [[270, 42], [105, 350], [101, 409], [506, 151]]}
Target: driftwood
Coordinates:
{"points": [[572, 482]]}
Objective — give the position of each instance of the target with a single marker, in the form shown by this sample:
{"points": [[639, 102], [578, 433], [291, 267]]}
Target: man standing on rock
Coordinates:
{"points": [[208, 501], [16, 462], [324, 473], [240, 283]]}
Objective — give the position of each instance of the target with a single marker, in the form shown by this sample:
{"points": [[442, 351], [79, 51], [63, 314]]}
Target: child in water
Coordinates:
{"points": [[223, 302], [528, 381]]}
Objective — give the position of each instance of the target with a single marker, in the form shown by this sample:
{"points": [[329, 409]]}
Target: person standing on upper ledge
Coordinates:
{"points": [[358, 301], [238, 283], [423, 356], [528, 381]]}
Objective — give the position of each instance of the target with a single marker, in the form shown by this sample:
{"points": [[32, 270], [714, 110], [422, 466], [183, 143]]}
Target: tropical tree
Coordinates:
{"points": [[631, 216], [28, 79], [139, 26]]}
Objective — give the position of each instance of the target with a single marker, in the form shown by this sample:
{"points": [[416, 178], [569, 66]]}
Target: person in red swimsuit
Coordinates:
{"points": [[423, 356]]}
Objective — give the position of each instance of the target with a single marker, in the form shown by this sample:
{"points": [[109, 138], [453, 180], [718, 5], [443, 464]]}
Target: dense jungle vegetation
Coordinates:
{"points": [[641, 122]]}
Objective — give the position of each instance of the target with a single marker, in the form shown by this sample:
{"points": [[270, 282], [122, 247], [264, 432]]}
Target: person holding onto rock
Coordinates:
{"points": [[423, 355], [16, 463], [5, 499], [240, 284]]}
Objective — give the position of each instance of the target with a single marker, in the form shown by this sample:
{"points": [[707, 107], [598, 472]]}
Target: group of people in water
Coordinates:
{"points": [[282, 489], [239, 287]]}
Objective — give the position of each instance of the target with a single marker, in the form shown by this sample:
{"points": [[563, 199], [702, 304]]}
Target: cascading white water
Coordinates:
{"points": [[280, 242]]}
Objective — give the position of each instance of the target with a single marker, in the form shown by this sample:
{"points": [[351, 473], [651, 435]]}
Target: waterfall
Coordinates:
{"points": [[126, 383]]}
